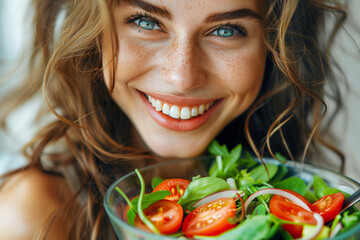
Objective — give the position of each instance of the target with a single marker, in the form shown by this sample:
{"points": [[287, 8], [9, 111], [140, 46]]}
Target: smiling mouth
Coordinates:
{"points": [[177, 112]]}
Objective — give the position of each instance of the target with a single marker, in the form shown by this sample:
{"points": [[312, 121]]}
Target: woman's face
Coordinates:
{"points": [[186, 68]]}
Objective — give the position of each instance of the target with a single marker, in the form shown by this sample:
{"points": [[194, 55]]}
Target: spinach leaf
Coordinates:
{"points": [[259, 210], [216, 149], [350, 220], [293, 183], [280, 174], [248, 162], [246, 180], [226, 164], [201, 188], [231, 163], [256, 227]]}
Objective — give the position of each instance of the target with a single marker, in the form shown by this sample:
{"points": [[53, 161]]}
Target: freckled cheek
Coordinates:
{"points": [[133, 58], [243, 73]]}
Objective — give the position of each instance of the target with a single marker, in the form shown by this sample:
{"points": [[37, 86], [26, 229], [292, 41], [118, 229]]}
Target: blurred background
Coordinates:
{"points": [[15, 21]]}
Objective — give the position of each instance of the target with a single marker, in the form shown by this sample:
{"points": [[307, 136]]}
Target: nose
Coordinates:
{"points": [[182, 67]]}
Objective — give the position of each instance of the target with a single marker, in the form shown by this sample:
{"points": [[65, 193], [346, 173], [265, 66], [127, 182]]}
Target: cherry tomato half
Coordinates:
{"points": [[329, 206], [210, 218], [171, 185], [285, 209], [164, 214], [299, 196]]}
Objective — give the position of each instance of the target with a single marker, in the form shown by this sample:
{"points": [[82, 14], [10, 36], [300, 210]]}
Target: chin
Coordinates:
{"points": [[178, 150]]}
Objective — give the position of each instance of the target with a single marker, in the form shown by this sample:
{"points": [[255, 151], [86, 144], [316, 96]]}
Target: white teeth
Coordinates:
{"points": [[158, 105], [201, 109], [185, 113], [174, 112], [194, 111], [207, 106], [166, 109], [177, 112]]}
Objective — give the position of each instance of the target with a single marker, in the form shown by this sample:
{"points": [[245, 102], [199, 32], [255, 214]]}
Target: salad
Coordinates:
{"points": [[240, 199]]}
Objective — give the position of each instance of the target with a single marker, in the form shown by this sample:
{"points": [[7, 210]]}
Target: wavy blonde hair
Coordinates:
{"points": [[66, 68]]}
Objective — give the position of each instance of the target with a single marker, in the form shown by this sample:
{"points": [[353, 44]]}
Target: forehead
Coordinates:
{"points": [[196, 8]]}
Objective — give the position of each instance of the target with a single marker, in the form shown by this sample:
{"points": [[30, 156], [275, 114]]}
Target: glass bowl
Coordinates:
{"points": [[115, 204]]}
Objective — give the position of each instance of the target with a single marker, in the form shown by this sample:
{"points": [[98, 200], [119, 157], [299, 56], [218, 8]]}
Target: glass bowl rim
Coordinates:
{"points": [[142, 233]]}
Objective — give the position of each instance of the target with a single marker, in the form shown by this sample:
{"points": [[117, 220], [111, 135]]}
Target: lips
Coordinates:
{"points": [[179, 114]]}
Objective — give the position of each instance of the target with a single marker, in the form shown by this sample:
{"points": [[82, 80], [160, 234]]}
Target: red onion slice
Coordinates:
{"points": [[319, 226], [276, 191], [232, 183], [336, 229], [226, 193]]}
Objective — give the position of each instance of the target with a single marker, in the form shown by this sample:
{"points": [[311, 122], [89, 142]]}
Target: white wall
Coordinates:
{"points": [[347, 54], [12, 27]]}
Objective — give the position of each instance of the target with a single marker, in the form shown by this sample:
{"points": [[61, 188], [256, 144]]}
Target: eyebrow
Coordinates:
{"points": [[149, 8], [239, 13]]}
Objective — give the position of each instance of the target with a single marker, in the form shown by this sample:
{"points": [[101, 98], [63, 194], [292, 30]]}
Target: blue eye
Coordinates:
{"points": [[224, 32], [147, 24], [228, 31]]}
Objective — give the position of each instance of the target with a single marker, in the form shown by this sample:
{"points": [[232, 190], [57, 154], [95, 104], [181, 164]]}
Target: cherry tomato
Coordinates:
{"points": [[171, 185], [285, 209], [299, 196], [166, 215], [210, 218], [328, 206]]}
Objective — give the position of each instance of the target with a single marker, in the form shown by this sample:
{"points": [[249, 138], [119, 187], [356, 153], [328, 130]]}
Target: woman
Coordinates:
{"points": [[130, 79]]}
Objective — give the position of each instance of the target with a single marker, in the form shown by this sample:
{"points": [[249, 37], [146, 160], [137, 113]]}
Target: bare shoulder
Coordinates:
{"points": [[27, 200]]}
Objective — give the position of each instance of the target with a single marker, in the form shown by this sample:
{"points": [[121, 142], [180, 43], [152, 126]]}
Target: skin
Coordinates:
{"points": [[27, 200], [184, 60]]}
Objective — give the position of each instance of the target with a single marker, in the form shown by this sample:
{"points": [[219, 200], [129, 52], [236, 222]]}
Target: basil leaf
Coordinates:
{"points": [[201, 188], [293, 183], [260, 172], [131, 214], [147, 200], [331, 190], [156, 181], [310, 196], [150, 198], [281, 157], [319, 186]]}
